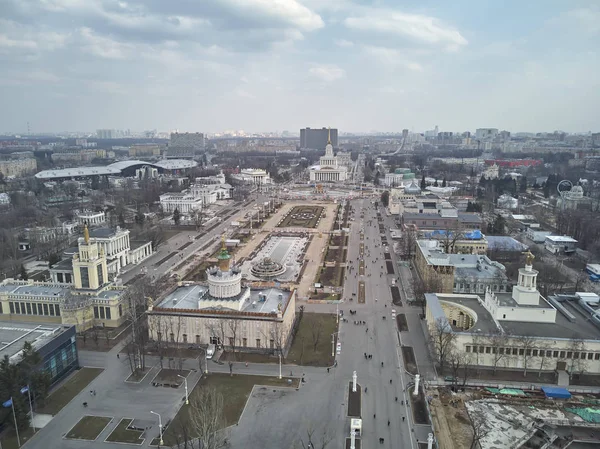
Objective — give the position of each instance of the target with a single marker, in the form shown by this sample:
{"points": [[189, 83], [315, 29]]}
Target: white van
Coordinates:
{"points": [[210, 351]]}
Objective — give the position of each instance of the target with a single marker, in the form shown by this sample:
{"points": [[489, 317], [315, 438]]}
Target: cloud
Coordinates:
{"points": [[344, 43], [16, 37], [327, 72], [391, 57], [414, 27], [102, 46]]}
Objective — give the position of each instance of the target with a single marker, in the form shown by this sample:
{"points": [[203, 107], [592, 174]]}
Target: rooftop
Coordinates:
{"points": [[504, 243], [14, 335], [560, 239], [104, 233], [187, 297], [562, 328], [32, 290]]}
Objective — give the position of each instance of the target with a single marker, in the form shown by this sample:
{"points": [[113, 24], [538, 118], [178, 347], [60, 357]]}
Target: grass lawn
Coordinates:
{"points": [[235, 389], [138, 375], [122, 434], [88, 428], [171, 376], [9, 438], [71, 388], [314, 327]]}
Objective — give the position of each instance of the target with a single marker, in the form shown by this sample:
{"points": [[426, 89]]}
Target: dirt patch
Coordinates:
{"points": [[332, 276], [361, 268], [410, 362], [357, 443], [338, 240], [396, 298], [354, 401], [390, 267], [419, 409], [361, 292], [401, 322]]}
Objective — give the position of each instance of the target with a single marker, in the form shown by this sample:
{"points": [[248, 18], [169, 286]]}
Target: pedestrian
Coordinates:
{"points": [[373, 415], [327, 370], [390, 381], [118, 355], [365, 389], [403, 419], [382, 364], [396, 398], [388, 422]]}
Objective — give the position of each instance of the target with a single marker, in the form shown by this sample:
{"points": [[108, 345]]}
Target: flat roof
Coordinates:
{"points": [[14, 335], [505, 243], [562, 328], [560, 239], [33, 290], [187, 297]]}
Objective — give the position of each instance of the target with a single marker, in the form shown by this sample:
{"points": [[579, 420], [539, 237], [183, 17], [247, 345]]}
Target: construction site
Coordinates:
{"points": [[501, 418]]}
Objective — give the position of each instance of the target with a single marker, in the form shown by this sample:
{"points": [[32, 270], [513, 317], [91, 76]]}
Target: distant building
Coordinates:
{"points": [[145, 150], [560, 244], [18, 168], [510, 163], [106, 134], [211, 193], [486, 133], [459, 272], [185, 202], [400, 177], [184, 145], [91, 218], [318, 139], [255, 176], [491, 172], [329, 168]]}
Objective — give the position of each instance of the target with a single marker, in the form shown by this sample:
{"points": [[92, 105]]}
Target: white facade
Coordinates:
{"points": [[117, 248], [491, 172], [255, 176], [91, 218], [329, 168], [557, 244], [211, 193], [185, 202]]}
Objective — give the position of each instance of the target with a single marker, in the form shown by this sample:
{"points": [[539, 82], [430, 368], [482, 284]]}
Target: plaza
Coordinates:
{"points": [[286, 251], [302, 217]]}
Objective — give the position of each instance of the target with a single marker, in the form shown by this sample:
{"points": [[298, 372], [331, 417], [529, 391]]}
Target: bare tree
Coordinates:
{"points": [[233, 328], [207, 418], [135, 300], [448, 241], [577, 349], [442, 341], [479, 430], [544, 356], [317, 439], [498, 347], [316, 333], [526, 345]]}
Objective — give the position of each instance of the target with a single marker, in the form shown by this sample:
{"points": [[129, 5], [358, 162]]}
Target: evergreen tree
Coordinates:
{"points": [[176, 216], [435, 184], [385, 198], [423, 183], [523, 184], [24, 273], [444, 183]]}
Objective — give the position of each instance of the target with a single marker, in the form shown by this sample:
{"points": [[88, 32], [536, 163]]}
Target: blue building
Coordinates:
{"points": [[55, 343]]}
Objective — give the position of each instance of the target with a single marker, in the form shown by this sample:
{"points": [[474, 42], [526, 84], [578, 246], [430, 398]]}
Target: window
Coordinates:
{"points": [[23, 308], [11, 306], [555, 354], [85, 277], [101, 310], [501, 351], [576, 355], [258, 342], [40, 312], [488, 349], [28, 308], [172, 336], [434, 223], [46, 309], [504, 315], [569, 354], [562, 354], [515, 351], [51, 309], [582, 356], [590, 356], [197, 339], [535, 352], [272, 343], [244, 342], [231, 341], [96, 314], [521, 351], [467, 349], [120, 309], [158, 336], [597, 356], [34, 309], [185, 338], [108, 315], [548, 353], [56, 309]]}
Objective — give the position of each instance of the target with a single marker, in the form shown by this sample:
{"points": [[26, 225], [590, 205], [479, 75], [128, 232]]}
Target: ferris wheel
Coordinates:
{"points": [[563, 187]]}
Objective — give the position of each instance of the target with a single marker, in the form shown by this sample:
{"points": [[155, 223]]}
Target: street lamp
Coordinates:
{"points": [[159, 427], [186, 390], [280, 364]]}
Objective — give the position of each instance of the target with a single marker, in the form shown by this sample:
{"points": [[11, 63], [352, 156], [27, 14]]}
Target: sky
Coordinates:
{"points": [[274, 65]]}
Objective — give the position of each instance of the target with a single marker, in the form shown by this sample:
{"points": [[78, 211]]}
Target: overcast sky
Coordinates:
{"points": [[258, 65]]}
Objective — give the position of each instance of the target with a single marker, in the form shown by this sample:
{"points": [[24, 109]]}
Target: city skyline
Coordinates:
{"points": [[285, 65]]}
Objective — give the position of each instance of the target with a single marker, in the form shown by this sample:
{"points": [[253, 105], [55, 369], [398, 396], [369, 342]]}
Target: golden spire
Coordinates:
{"points": [[529, 257], [329, 136], [86, 234]]}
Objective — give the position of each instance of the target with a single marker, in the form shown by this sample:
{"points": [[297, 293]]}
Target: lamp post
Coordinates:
{"points": [[186, 389], [159, 427], [280, 364]]}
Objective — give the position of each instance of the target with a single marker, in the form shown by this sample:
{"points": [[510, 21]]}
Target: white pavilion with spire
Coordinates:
{"points": [[329, 168]]}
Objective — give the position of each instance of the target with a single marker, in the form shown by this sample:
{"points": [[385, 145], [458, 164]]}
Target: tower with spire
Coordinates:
{"points": [[90, 270]]}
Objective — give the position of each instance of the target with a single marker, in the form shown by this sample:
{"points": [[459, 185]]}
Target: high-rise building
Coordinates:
{"points": [[184, 145], [105, 134], [317, 139]]}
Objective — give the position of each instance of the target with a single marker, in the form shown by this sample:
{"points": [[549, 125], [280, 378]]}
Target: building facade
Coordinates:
{"points": [[329, 168], [18, 168], [91, 218], [317, 139]]}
